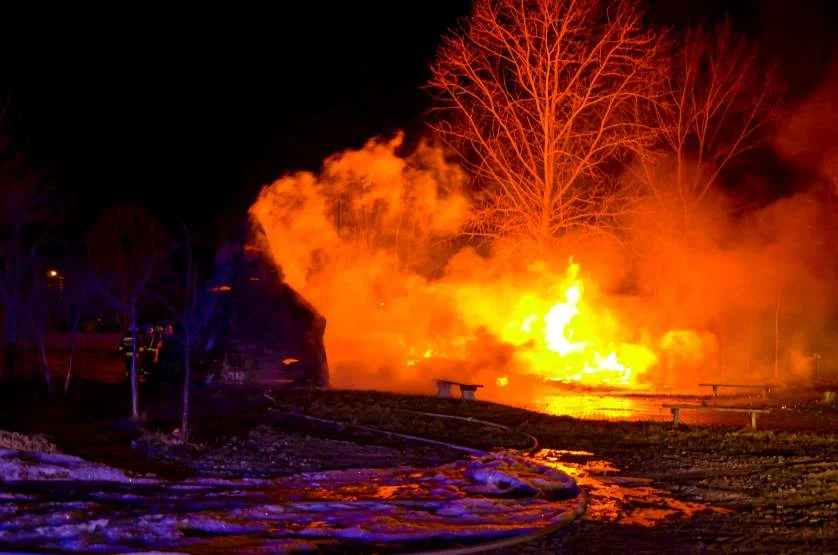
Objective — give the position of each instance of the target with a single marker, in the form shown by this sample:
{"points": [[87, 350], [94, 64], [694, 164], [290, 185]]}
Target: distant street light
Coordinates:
{"points": [[54, 274]]}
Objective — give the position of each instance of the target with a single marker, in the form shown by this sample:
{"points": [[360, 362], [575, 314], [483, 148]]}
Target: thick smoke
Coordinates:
{"points": [[745, 291], [684, 292]]}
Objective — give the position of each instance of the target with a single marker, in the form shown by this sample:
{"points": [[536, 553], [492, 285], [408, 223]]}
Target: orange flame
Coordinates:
{"points": [[559, 337]]}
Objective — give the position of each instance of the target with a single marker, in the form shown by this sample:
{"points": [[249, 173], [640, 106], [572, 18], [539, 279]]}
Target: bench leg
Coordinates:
{"points": [[715, 391], [765, 392], [467, 394], [443, 390], [754, 416], [675, 414]]}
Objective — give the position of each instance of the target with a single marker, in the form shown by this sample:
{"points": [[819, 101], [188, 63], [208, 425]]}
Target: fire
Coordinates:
{"points": [[367, 241], [559, 336]]}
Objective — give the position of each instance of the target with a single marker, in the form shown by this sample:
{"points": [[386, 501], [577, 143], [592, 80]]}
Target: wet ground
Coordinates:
{"points": [[791, 410], [57, 503], [651, 488]]}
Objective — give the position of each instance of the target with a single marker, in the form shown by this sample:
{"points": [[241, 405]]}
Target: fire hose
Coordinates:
{"points": [[465, 550], [528, 451]]}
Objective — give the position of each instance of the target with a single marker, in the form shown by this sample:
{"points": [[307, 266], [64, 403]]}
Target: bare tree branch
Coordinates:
{"points": [[718, 102], [539, 97]]}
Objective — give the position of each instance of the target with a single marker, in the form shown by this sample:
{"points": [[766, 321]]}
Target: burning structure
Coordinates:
{"points": [[259, 329]]}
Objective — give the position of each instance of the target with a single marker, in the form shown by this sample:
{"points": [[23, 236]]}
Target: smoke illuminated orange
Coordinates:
{"points": [[374, 241], [353, 239]]}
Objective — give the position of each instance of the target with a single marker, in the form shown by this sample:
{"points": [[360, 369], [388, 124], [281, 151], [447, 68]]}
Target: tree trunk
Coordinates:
{"points": [[187, 372], [135, 405], [44, 361], [69, 375]]}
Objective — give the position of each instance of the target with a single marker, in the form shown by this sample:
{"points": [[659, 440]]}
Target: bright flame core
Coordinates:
{"points": [[560, 336]]}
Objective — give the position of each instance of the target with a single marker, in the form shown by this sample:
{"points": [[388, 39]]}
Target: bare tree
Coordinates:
{"points": [[121, 242], [717, 105], [27, 216], [124, 293], [193, 315], [127, 248], [77, 302], [37, 316], [540, 97]]}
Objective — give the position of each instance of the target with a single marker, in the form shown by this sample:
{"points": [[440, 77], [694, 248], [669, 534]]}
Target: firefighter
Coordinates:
{"points": [[165, 359], [126, 346], [149, 346]]}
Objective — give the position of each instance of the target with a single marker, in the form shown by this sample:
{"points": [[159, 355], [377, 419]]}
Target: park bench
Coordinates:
{"points": [[676, 411], [766, 388], [467, 390]]}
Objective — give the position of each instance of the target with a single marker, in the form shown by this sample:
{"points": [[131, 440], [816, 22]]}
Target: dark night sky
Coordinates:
{"points": [[191, 110]]}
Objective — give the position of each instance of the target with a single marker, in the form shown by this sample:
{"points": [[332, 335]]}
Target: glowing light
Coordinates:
{"points": [[502, 381], [53, 273], [558, 333], [220, 289], [289, 361]]}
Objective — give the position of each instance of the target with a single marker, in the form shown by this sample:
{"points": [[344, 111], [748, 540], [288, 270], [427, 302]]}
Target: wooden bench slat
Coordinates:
{"points": [[467, 390], [752, 385], [676, 411], [711, 408], [766, 388], [459, 383]]}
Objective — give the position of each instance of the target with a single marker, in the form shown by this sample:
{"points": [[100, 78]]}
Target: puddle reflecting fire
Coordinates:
{"points": [[620, 499], [601, 407]]}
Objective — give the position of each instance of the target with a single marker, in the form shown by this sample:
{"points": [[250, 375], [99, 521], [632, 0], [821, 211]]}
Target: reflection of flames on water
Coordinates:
{"points": [[624, 500]]}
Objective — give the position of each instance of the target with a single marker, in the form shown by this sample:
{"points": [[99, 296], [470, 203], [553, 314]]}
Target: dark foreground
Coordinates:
{"points": [[651, 488]]}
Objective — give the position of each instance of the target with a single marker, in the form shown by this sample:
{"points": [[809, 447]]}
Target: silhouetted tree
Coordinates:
{"points": [[193, 315], [27, 216], [717, 104], [78, 301], [126, 248], [120, 243]]}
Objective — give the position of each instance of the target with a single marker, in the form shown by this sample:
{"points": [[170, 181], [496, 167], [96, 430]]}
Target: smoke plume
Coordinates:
{"points": [[683, 291]]}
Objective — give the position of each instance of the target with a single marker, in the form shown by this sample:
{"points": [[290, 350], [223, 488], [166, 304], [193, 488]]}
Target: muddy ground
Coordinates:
{"points": [[763, 491], [651, 488]]}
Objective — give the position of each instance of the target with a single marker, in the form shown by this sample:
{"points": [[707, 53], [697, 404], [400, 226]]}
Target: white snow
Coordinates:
{"points": [[96, 508], [16, 465]]}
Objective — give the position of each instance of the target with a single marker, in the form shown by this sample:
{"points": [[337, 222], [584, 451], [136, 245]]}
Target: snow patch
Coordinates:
{"points": [[91, 507], [20, 466]]}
